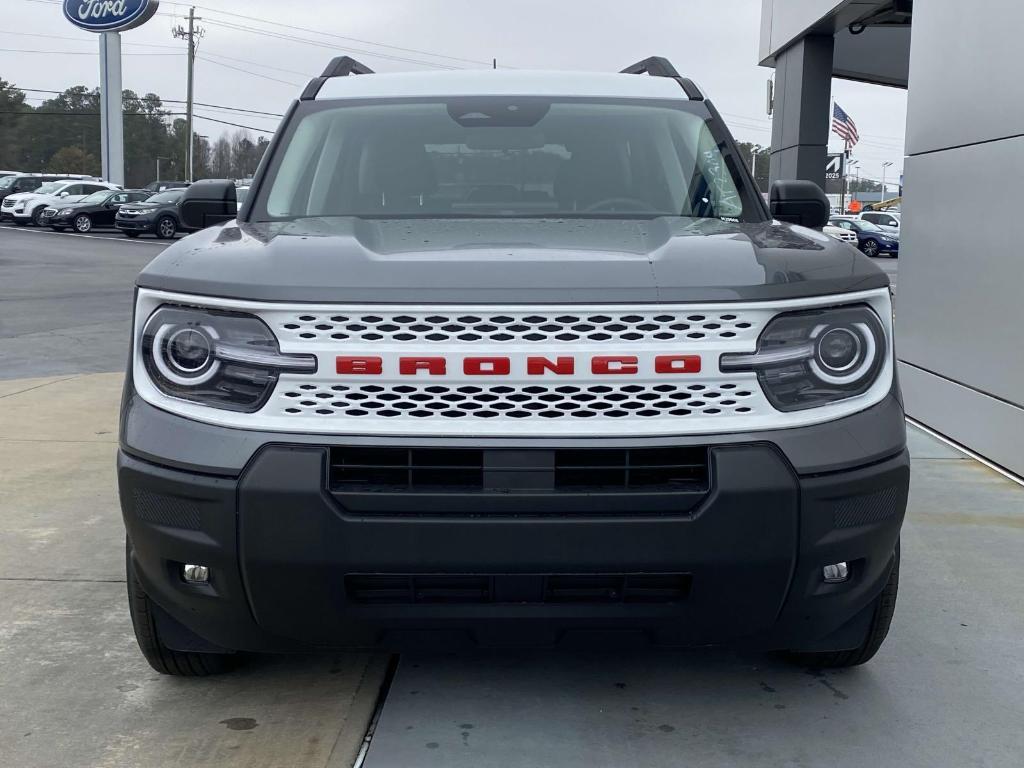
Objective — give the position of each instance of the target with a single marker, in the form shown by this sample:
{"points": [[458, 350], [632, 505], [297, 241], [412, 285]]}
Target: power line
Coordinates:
{"points": [[254, 74], [236, 125], [169, 101], [338, 37], [329, 46], [77, 53]]}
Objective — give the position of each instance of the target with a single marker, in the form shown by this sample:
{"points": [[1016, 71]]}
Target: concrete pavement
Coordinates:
{"points": [[76, 691], [66, 301], [946, 690]]}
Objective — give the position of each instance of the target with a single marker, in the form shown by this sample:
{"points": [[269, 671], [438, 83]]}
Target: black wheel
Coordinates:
{"points": [[166, 228], [83, 223], [870, 248], [37, 216], [160, 657], [131, 234], [885, 607]]}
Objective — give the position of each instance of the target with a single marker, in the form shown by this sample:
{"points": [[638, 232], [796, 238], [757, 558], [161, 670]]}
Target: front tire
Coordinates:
{"points": [[870, 248], [160, 657], [166, 228], [83, 224], [885, 607], [37, 216]]}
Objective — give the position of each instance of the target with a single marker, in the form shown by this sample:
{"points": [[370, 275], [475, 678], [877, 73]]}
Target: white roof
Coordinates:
{"points": [[501, 82]]}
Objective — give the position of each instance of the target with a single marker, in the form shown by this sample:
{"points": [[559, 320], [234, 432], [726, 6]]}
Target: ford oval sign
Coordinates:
{"points": [[109, 15]]}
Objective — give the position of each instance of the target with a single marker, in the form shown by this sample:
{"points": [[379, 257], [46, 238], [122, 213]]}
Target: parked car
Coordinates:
{"points": [[378, 405], [871, 239], [28, 207], [96, 210], [156, 215], [19, 183], [841, 234], [882, 218], [163, 186], [857, 217]]}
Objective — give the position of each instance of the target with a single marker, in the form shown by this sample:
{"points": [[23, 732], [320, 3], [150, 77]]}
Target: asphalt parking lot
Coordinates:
{"points": [[946, 690]]}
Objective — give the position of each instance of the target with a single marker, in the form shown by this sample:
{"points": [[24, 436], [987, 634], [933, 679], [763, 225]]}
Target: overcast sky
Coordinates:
{"points": [[715, 43]]}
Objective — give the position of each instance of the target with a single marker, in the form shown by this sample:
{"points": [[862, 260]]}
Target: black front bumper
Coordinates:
{"points": [[135, 225], [296, 565]]}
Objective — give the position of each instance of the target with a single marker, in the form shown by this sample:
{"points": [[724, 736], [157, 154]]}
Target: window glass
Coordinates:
{"points": [[508, 156]]}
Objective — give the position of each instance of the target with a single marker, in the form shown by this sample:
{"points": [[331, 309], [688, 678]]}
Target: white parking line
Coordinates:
{"points": [[125, 240]]}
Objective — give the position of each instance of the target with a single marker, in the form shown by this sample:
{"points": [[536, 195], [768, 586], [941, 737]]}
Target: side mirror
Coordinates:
{"points": [[800, 202], [62, 195], [208, 202]]}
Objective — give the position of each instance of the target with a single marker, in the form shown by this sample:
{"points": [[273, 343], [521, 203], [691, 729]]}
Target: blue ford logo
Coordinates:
{"points": [[109, 15]]}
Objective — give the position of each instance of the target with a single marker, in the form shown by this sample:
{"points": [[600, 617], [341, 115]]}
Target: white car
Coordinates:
{"points": [[889, 230], [841, 234], [27, 207], [883, 219]]}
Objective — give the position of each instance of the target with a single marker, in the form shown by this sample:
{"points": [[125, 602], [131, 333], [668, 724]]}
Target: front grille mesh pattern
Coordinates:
{"points": [[158, 509], [868, 508], [536, 327], [582, 401]]}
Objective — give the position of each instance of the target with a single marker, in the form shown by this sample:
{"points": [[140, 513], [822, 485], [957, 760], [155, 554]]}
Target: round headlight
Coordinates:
{"points": [[189, 351], [838, 350], [184, 354], [843, 354]]}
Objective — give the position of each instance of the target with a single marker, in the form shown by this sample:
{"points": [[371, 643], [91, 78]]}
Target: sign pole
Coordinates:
{"points": [[111, 108]]}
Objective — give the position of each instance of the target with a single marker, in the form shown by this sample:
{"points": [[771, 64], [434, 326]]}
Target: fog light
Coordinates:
{"points": [[195, 574], [833, 574]]}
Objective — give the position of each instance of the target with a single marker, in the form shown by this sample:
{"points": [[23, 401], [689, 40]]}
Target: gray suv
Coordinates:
{"points": [[509, 357]]}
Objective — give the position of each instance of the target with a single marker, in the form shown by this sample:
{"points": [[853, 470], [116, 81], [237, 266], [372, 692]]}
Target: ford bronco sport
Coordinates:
{"points": [[509, 357]]}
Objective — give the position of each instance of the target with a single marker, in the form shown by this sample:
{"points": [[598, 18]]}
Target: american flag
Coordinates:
{"points": [[844, 127]]}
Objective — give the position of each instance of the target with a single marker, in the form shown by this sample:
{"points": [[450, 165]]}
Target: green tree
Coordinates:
{"points": [[12, 106], [73, 160]]}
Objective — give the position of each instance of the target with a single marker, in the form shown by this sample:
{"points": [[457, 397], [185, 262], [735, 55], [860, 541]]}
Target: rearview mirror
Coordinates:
{"points": [[208, 202], [800, 202]]}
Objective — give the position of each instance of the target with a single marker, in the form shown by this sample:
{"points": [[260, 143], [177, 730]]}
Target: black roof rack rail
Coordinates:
{"points": [[659, 66], [341, 66]]}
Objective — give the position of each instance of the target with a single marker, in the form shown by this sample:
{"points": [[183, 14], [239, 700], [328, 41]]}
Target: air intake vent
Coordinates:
{"points": [[395, 589], [413, 470]]}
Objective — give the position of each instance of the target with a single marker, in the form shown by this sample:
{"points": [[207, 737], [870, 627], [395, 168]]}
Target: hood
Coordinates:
{"points": [[146, 205], [35, 197], [493, 261]]}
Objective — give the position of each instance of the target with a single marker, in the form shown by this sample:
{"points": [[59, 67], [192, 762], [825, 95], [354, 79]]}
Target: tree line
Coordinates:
{"points": [[62, 135]]}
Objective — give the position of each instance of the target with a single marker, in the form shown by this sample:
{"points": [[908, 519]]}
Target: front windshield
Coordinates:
{"points": [[507, 156], [867, 226], [49, 188], [170, 196], [96, 197]]}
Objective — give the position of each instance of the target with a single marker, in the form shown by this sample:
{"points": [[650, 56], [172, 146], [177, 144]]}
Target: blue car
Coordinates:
{"points": [[871, 239]]}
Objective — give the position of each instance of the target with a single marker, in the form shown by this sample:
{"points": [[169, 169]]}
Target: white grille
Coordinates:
{"points": [[549, 401], [466, 400], [521, 327]]}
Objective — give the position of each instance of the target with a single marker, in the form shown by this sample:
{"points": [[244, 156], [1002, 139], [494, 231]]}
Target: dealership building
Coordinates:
{"points": [[959, 310]]}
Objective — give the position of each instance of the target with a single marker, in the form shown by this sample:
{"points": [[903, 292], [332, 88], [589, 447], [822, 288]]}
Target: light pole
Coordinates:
{"points": [[885, 192], [852, 164], [158, 159]]}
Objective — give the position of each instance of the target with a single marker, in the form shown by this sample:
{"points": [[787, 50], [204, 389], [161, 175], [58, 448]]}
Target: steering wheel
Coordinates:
{"points": [[614, 203]]}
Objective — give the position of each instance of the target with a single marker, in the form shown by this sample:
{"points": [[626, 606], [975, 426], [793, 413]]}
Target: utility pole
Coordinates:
{"points": [[753, 165], [885, 167], [191, 36]]}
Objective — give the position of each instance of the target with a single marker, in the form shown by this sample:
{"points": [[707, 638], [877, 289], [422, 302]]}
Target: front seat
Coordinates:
{"points": [[396, 176]]}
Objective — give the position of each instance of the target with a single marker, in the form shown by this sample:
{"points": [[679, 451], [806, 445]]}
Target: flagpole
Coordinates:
{"points": [[842, 197]]}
